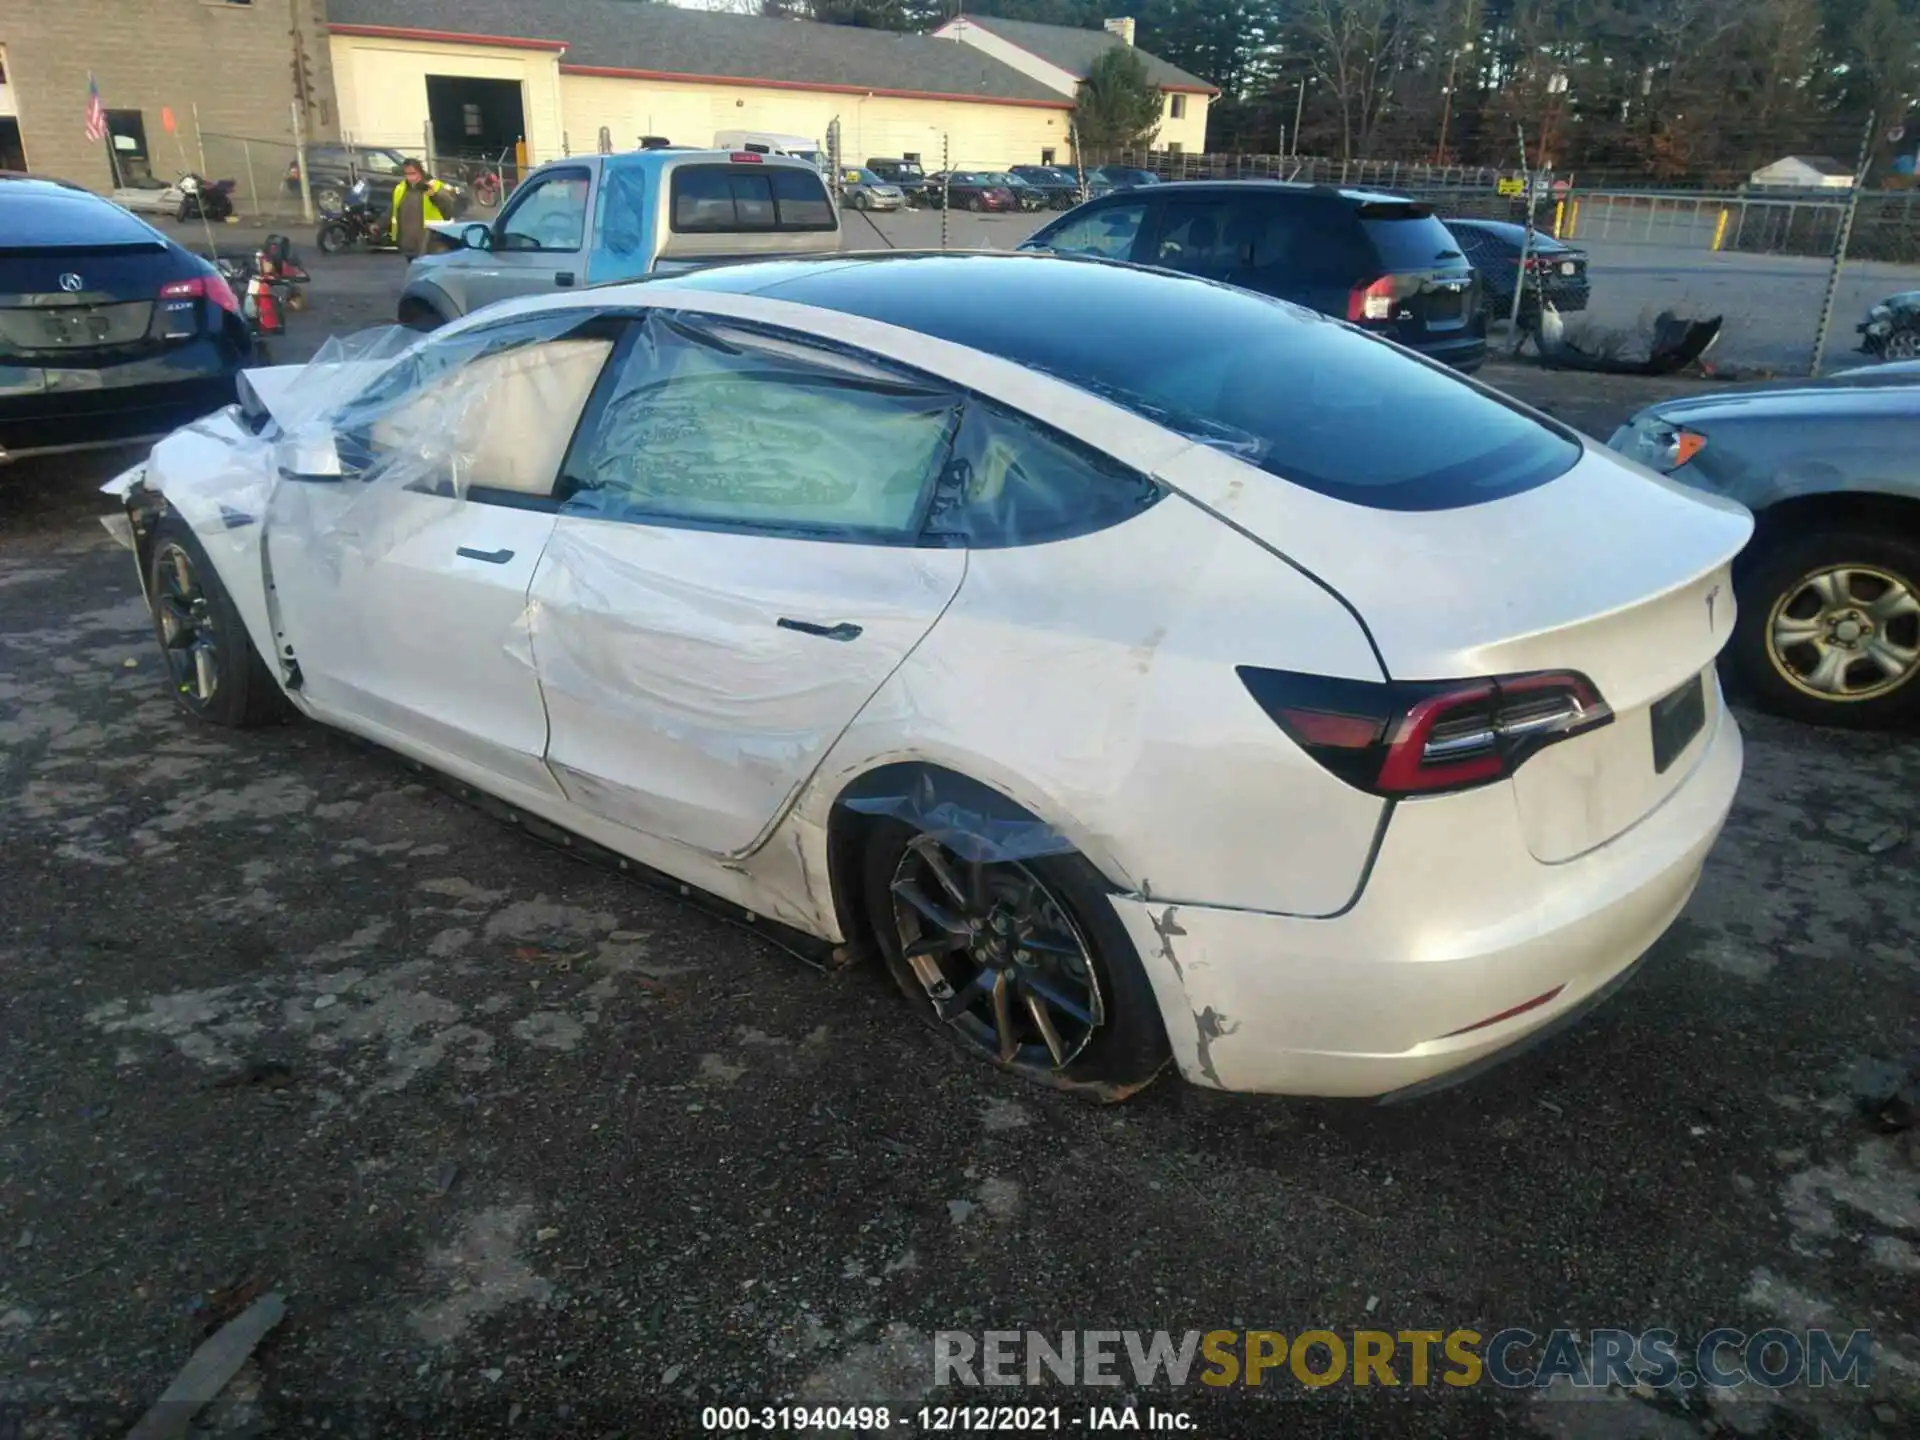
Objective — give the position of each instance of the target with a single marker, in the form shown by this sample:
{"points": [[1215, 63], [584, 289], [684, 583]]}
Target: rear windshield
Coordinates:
{"points": [[68, 219], [1408, 237], [725, 197], [1300, 396]]}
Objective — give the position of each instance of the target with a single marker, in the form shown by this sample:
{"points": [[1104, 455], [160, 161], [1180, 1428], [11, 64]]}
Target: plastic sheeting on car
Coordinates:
{"points": [[319, 445], [690, 617], [976, 823]]}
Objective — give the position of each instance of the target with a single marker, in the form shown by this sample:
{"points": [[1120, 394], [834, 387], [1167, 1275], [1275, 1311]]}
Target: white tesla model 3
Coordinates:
{"points": [[1143, 668]]}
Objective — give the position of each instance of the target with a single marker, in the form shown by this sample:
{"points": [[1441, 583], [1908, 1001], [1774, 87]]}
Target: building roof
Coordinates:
{"points": [[1074, 50], [1824, 164], [655, 41]]}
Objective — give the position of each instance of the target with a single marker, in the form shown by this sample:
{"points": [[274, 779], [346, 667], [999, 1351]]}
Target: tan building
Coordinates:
{"points": [[242, 65], [477, 75], [1060, 57]]}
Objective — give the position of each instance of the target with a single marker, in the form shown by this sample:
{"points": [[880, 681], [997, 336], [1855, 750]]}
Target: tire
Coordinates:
{"points": [[335, 238], [1902, 344], [1778, 589], [213, 670], [184, 213], [1108, 1060], [976, 204]]}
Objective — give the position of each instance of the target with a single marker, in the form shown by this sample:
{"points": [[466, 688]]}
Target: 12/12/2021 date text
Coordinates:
{"points": [[1048, 1420]]}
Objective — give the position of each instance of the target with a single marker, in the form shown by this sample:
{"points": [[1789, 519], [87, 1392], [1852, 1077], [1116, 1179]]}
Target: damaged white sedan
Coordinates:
{"points": [[1145, 669]]}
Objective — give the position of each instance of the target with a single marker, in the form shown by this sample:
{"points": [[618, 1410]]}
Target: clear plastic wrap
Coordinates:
{"points": [[976, 823]]}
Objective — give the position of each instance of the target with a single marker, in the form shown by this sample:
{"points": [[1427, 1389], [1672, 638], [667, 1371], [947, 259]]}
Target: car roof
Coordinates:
{"points": [[658, 159], [1269, 187], [19, 181], [1502, 230], [1009, 303]]}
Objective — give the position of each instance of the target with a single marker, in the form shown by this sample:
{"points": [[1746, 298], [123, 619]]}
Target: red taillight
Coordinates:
{"points": [[1507, 1014], [1400, 739], [1372, 302], [207, 287], [744, 157]]}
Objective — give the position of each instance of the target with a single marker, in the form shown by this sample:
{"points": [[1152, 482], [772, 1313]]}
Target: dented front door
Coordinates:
{"points": [[737, 572]]}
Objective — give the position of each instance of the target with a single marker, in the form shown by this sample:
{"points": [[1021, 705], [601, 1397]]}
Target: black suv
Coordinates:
{"points": [[906, 174], [1381, 261]]}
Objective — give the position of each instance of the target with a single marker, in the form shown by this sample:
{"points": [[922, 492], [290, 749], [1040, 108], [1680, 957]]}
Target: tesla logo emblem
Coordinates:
{"points": [[1712, 595], [72, 283]]}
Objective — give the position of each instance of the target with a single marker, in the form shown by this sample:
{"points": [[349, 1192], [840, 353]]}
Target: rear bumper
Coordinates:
{"points": [[51, 409], [1468, 353], [1458, 923]]}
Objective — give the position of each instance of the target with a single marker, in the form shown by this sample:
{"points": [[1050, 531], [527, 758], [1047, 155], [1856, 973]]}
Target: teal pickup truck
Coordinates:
{"points": [[603, 219]]}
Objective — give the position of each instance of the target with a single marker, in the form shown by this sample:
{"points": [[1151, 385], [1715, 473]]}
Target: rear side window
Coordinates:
{"points": [[1015, 481], [1408, 237], [723, 197]]}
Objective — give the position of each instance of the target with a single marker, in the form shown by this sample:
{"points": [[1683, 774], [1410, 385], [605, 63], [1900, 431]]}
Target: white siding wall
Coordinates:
{"points": [[382, 88], [691, 113]]}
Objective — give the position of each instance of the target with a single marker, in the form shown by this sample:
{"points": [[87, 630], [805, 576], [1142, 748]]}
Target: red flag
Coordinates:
{"points": [[96, 112]]}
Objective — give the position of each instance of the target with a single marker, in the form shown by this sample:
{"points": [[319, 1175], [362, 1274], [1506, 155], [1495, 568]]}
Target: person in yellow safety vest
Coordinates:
{"points": [[414, 209]]}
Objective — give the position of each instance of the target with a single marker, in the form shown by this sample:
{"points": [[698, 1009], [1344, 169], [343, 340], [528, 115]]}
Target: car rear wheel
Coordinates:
{"points": [[1022, 962], [1829, 628], [212, 668]]}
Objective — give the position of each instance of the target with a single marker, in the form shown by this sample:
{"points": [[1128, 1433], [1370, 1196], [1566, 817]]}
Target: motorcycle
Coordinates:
{"points": [[272, 274], [203, 198], [487, 188], [361, 219]]}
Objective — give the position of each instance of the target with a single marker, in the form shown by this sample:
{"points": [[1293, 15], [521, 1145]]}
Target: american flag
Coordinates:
{"points": [[96, 113]]}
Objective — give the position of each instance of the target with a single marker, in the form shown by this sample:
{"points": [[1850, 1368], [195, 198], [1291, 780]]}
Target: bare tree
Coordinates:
{"points": [[1359, 49]]}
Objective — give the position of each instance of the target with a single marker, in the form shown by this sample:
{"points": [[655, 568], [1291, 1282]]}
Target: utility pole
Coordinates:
{"points": [[1526, 240], [1840, 246], [1468, 21]]}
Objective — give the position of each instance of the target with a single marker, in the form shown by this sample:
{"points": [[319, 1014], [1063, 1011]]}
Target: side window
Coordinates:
{"points": [[1015, 481], [713, 424], [1108, 232], [549, 213], [623, 210], [1270, 243], [491, 410], [1195, 237]]}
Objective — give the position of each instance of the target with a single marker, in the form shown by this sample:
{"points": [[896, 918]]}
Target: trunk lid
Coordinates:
{"points": [[1431, 290], [59, 303], [1608, 570]]}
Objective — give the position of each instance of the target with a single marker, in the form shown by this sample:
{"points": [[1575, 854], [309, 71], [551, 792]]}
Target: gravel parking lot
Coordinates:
{"points": [[531, 1150]]}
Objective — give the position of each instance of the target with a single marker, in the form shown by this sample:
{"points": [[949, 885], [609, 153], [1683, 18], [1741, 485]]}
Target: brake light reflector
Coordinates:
{"points": [[208, 287], [1372, 302], [1421, 738]]}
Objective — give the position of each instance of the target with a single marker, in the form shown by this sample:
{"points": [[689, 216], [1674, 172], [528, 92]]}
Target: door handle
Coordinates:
{"points": [[842, 631], [492, 557], [564, 277]]}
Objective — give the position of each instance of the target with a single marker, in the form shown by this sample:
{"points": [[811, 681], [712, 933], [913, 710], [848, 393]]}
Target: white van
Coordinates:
{"points": [[765, 142]]}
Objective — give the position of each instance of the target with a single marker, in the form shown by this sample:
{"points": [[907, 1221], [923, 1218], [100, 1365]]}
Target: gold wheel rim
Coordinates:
{"points": [[1846, 633]]}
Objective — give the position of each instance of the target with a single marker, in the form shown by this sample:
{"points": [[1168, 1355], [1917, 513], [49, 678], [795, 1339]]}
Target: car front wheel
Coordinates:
{"points": [[212, 668], [1021, 961], [1829, 628]]}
